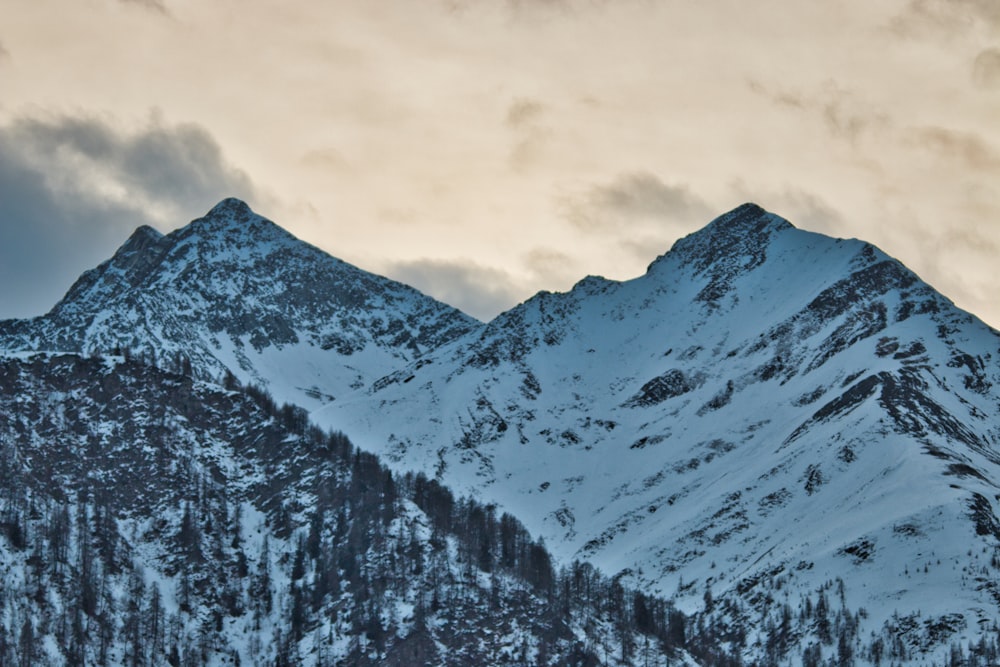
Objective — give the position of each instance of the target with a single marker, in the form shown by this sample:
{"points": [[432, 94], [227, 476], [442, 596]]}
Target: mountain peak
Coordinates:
{"points": [[230, 207], [232, 217], [143, 236], [734, 240], [745, 223], [232, 212]]}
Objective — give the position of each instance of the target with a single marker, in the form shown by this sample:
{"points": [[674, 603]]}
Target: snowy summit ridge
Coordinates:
{"points": [[764, 412], [766, 409], [232, 291]]}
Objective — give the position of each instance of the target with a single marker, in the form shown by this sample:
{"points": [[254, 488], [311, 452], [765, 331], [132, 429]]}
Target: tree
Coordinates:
{"points": [[26, 648]]}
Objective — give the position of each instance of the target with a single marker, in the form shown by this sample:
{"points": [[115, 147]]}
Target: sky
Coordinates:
{"points": [[483, 150]]}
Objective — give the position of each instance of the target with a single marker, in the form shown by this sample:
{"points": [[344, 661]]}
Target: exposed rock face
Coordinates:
{"points": [[765, 407], [233, 291], [763, 412]]}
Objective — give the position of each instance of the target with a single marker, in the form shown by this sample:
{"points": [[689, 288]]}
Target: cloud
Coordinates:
{"points": [[552, 267], [154, 5], [845, 114], [986, 69], [805, 210], [327, 158], [522, 7], [966, 147], [73, 188], [633, 199], [4, 53], [524, 121], [948, 17], [480, 291], [523, 111]]}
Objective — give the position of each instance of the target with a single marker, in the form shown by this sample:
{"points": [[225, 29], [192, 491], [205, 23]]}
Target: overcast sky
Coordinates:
{"points": [[482, 150]]}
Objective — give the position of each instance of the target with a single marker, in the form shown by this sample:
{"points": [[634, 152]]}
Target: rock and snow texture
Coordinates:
{"points": [[234, 291], [147, 518], [764, 411]]}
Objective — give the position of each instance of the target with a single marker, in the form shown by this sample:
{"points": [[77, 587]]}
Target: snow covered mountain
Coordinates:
{"points": [[766, 421], [150, 519], [763, 411], [233, 291]]}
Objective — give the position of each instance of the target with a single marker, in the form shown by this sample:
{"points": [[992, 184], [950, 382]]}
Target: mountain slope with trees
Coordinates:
{"points": [[147, 518], [791, 438]]}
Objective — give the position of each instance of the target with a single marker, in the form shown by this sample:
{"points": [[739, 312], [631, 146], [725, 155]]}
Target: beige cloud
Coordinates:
{"points": [[845, 113], [327, 158], [534, 8], [945, 17], [581, 125], [970, 149], [632, 199], [523, 119], [780, 97], [551, 268], [523, 111], [805, 210], [155, 5], [986, 69], [4, 54]]}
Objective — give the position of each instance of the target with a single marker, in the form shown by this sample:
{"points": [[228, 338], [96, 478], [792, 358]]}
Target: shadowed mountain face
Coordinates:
{"points": [[147, 518], [233, 291], [765, 411]]}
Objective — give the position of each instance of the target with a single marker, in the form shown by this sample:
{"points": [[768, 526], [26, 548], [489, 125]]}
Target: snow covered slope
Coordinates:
{"points": [[234, 291], [147, 518], [765, 410]]}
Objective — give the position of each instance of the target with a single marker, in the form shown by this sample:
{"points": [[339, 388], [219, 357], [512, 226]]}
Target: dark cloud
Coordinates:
{"points": [[633, 199], [72, 189], [986, 69], [482, 292], [966, 147]]}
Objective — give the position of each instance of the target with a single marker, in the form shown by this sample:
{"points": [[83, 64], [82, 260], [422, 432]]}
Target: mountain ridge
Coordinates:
{"points": [[712, 404], [764, 411], [233, 292]]}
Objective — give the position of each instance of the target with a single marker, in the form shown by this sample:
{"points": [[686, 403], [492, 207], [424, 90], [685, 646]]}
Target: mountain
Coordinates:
{"points": [[147, 518], [234, 292], [764, 411], [791, 437]]}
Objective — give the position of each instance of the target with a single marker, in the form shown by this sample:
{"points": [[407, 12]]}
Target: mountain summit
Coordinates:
{"points": [[765, 411], [767, 416], [232, 291]]}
